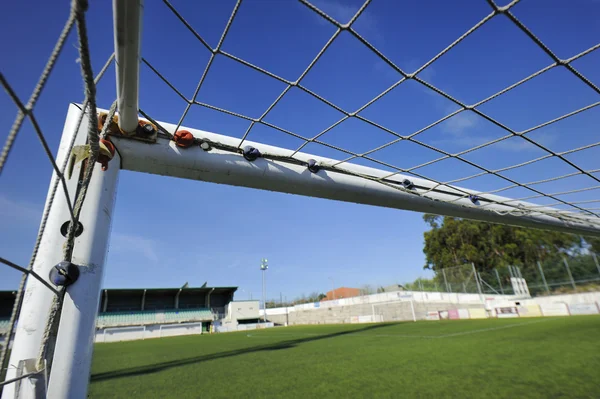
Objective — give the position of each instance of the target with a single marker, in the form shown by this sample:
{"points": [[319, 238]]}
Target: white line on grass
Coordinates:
{"points": [[357, 334], [489, 329]]}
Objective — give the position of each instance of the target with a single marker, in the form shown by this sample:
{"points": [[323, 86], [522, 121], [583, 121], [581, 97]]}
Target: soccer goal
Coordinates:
{"points": [[53, 322], [398, 310]]}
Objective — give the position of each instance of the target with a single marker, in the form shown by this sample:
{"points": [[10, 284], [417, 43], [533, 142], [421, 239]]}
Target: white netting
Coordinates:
{"points": [[26, 110], [574, 201], [566, 206]]}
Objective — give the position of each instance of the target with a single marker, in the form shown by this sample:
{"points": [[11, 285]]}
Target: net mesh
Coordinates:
{"points": [[567, 208], [576, 200]]}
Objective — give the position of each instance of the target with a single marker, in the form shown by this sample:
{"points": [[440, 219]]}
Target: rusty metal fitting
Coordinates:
{"points": [[146, 128], [114, 124], [107, 152], [183, 139]]}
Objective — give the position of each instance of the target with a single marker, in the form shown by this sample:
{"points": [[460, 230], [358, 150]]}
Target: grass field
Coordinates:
{"points": [[506, 358]]}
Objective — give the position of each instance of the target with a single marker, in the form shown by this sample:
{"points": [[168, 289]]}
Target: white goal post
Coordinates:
{"points": [[74, 340], [376, 313], [273, 171], [76, 332], [213, 158]]}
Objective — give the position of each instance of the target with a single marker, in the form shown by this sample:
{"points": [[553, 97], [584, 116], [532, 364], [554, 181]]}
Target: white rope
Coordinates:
{"points": [[77, 16], [496, 11]]}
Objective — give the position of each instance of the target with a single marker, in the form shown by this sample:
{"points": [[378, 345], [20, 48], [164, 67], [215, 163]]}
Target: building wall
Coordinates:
{"points": [[397, 307], [115, 334], [385, 312], [240, 310]]}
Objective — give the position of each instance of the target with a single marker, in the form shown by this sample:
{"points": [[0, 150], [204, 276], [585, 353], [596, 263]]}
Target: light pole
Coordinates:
{"points": [[264, 265]]}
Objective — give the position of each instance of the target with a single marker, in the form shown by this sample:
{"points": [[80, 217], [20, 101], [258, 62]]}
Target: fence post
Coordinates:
{"points": [[482, 281], [446, 281], [596, 261], [539, 265], [499, 281], [569, 272], [477, 282]]}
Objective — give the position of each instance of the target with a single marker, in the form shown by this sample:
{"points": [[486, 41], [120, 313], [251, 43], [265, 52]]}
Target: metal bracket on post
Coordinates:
{"points": [[146, 131], [28, 373]]}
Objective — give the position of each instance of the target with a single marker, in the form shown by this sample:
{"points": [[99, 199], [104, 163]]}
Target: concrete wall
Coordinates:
{"points": [[132, 333], [388, 306], [397, 307], [566, 299], [384, 311], [243, 327], [569, 299], [242, 310]]}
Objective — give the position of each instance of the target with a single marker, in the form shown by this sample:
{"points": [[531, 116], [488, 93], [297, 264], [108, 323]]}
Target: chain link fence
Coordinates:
{"points": [[560, 274]]}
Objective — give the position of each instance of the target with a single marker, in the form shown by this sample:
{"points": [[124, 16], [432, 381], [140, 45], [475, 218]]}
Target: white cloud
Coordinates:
{"points": [[235, 264], [520, 144], [383, 69], [13, 210], [512, 144], [127, 243], [342, 12], [428, 74], [337, 10], [460, 123]]}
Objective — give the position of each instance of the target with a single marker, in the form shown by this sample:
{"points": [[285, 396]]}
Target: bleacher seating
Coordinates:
{"points": [[4, 325], [153, 317]]}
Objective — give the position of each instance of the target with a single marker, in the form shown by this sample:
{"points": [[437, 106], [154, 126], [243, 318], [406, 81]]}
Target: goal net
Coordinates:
{"points": [[468, 113]]}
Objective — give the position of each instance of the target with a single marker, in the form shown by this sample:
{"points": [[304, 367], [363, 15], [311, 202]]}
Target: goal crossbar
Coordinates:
{"points": [[277, 170]]}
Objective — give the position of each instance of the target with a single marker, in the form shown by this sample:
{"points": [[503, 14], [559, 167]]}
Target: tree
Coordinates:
{"points": [[422, 284], [453, 241], [366, 290], [594, 244]]}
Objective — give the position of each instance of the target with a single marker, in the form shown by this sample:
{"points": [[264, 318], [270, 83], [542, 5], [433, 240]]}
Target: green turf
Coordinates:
{"points": [[506, 358]]}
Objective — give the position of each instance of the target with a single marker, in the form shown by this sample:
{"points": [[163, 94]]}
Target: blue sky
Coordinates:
{"points": [[218, 233]]}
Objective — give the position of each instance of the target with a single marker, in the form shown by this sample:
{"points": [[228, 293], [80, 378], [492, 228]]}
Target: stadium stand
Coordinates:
{"points": [[7, 298], [142, 307], [133, 318], [4, 326]]}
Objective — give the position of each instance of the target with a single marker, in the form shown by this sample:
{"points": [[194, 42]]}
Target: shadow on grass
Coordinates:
{"points": [[153, 368]]}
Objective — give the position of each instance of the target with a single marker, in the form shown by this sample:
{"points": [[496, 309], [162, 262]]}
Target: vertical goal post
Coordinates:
{"points": [[219, 162], [74, 338], [52, 349], [400, 300]]}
